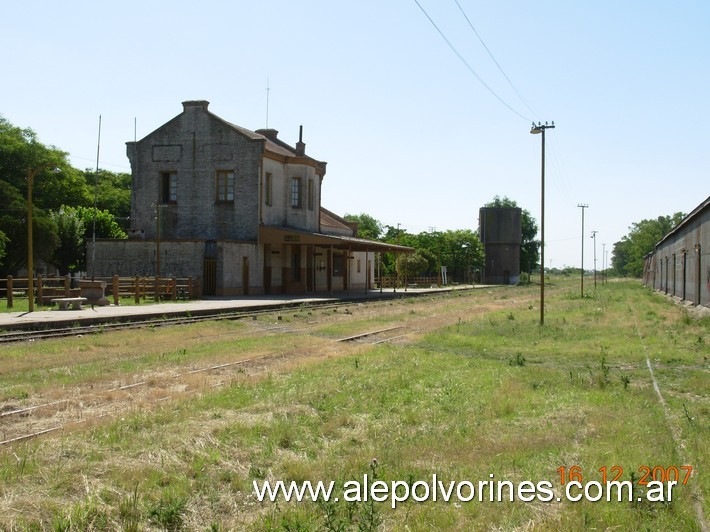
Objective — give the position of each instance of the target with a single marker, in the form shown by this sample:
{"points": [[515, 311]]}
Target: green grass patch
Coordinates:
{"points": [[489, 394]]}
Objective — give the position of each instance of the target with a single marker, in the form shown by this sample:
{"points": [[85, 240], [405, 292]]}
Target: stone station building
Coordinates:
{"points": [[237, 210]]}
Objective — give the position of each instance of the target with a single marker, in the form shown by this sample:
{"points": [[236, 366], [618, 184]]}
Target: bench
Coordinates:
{"points": [[64, 302]]}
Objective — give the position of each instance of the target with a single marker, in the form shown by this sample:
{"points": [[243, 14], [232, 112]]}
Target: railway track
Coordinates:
{"points": [[164, 321], [102, 398], [79, 330], [374, 337], [83, 404]]}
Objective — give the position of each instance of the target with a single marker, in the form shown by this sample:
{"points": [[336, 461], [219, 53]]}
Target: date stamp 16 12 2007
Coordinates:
{"points": [[677, 474]]}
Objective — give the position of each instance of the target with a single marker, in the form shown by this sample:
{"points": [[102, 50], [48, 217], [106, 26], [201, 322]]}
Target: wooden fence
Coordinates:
{"points": [[137, 288]]}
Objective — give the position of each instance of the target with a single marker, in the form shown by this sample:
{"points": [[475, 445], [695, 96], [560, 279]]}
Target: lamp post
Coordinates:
{"points": [[31, 173], [535, 129]]}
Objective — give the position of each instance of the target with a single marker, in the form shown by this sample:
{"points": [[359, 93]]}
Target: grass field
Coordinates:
{"points": [[478, 389]]}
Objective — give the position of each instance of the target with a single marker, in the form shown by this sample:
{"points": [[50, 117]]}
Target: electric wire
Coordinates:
{"points": [[468, 66], [490, 54]]}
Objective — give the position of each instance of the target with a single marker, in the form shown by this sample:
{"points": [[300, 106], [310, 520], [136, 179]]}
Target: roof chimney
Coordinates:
{"points": [[195, 103], [270, 134], [300, 145]]}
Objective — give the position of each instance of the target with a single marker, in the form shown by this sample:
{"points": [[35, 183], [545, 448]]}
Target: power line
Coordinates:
{"points": [[490, 54], [469, 67]]}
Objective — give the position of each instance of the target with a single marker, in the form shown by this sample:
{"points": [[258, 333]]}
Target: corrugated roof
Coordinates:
{"points": [[685, 220]]}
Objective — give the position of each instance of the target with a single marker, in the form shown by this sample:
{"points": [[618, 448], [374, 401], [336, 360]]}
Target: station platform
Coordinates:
{"points": [[54, 318]]}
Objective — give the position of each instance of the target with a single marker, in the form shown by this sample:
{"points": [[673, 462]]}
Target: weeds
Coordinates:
{"points": [[690, 418], [168, 512], [625, 380], [603, 378], [129, 512], [448, 403], [518, 360], [352, 514]]}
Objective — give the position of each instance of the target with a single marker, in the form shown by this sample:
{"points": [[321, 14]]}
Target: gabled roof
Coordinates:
{"points": [[331, 221], [272, 145]]}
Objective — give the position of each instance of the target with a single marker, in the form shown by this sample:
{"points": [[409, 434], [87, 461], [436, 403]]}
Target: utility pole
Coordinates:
{"points": [[535, 129], [582, 206], [396, 262], [603, 263], [594, 237]]}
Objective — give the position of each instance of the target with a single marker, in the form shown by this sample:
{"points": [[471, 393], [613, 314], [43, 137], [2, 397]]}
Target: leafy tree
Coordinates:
{"points": [[74, 227], [459, 250], [70, 254], [530, 247], [13, 224], [106, 225], [21, 151], [66, 187], [412, 264], [368, 227], [627, 256], [113, 193], [3, 246]]}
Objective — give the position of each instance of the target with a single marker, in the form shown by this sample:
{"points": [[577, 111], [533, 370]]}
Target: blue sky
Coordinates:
{"points": [[410, 135]]}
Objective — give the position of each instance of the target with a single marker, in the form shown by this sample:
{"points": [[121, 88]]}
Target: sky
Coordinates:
{"points": [[420, 121]]}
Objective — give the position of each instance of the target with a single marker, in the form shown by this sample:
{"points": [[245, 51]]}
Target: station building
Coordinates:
{"points": [[237, 210]]}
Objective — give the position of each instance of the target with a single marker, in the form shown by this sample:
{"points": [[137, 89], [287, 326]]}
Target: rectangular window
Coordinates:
{"points": [[310, 194], [168, 187], [225, 186], [296, 192], [358, 265], [268, 190]]}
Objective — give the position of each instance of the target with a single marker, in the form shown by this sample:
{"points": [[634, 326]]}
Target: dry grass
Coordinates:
{"points": [[478, 389]]}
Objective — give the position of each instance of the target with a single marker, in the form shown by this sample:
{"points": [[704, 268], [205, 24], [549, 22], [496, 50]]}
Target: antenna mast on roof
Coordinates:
{"points": [[267, 102]]}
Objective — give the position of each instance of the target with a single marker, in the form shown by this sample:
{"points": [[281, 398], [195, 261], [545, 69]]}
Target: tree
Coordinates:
{"points": [[113, 193], [3, 246], [106, 224], [460, 250], [21, 151], [627, 256], [74, 225], [13, 224], [530, 247], [368, 227], [412, 264], [70, 254]]}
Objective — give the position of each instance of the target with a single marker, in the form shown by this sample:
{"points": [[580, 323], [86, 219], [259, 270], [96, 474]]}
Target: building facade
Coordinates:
{"points": [[238, 210], [679, 265]]}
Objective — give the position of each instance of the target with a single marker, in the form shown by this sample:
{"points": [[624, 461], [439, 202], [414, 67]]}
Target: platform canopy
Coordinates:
{"points": [[275, 235]]}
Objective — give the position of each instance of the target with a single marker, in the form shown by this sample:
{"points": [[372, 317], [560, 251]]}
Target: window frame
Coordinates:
{"points": [[168, 187], [223, 187], [296, 193]]}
